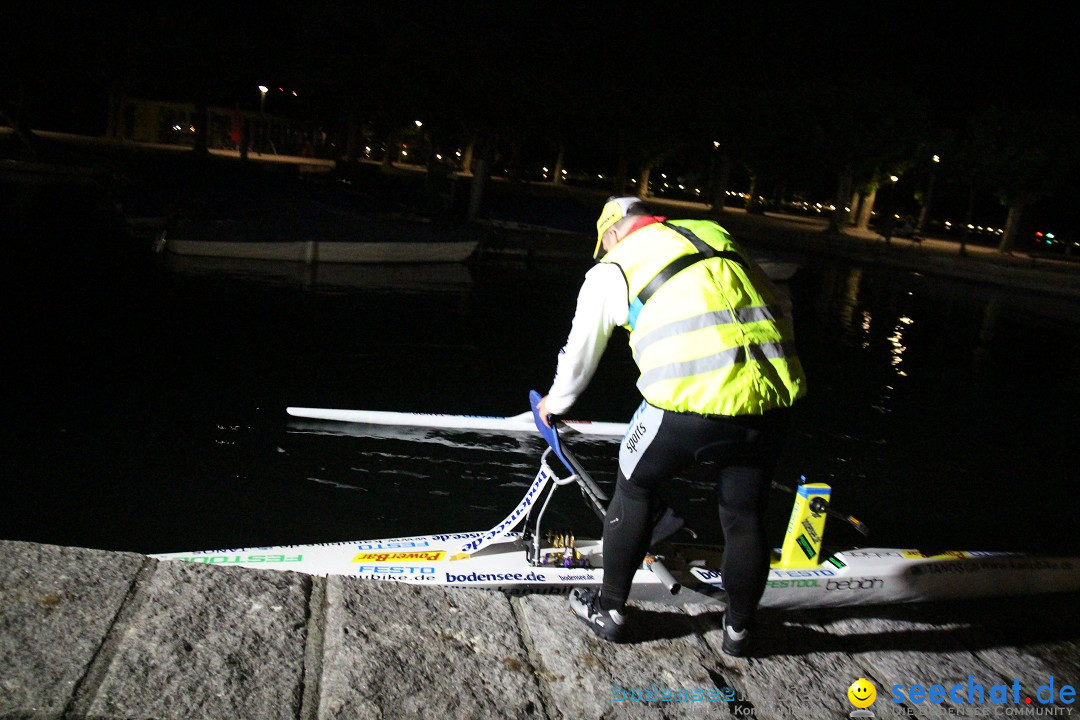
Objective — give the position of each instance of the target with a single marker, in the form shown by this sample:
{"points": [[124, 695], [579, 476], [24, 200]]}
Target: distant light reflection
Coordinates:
{"points": [[897, 342]]}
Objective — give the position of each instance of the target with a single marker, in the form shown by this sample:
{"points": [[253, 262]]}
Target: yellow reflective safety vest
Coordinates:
{"points": [[708, 329]]}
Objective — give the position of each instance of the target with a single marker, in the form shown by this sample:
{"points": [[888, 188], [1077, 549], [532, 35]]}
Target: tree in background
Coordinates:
{"points": [[862, 136], [1025, 155]]}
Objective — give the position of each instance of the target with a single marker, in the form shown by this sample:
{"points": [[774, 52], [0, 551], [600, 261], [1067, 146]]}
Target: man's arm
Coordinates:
{"points": [[601, 306]]}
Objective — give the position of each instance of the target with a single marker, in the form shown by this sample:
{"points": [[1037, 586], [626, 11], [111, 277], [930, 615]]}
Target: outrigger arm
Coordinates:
{"points": [[589, 488]]}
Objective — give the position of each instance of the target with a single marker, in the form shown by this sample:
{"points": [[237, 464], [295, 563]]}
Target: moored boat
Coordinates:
{"points": [[330, 237]]}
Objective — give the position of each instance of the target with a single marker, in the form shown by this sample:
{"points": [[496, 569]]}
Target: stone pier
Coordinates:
{"points": [[95, 634]]}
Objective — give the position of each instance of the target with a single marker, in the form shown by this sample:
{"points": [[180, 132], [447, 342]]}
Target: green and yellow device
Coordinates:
{"points": [[806, 528]]}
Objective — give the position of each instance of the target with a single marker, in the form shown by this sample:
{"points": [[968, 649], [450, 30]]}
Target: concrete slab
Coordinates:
{"points": [[206, 642], [664, 670], [797, 669], [401, 651], [898, 649], [90, 634], [56, 607], [950, 644], [1022, 638]]}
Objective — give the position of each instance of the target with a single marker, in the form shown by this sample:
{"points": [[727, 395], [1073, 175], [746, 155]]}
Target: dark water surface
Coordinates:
{"points": [[145, 401]]}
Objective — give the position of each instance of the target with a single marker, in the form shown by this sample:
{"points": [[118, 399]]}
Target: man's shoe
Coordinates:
{"points": [[608, 624], [735, 643]]}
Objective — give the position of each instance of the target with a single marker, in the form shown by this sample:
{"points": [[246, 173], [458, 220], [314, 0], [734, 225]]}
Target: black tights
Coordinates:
{"points": [[744, 450]]}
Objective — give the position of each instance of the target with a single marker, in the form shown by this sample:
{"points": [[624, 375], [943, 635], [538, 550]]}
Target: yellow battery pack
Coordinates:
{"points": [[806, 528]]}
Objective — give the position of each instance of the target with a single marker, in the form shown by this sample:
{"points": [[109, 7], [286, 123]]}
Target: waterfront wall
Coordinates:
{"points": [[94, 634]]}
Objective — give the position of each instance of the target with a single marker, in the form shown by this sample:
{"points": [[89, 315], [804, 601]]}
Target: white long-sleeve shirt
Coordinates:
{"points": [[602, 305]]}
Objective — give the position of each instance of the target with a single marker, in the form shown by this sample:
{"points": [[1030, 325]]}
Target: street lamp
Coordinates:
{"points": [[929, 195], [891, 217], [262, 99]]}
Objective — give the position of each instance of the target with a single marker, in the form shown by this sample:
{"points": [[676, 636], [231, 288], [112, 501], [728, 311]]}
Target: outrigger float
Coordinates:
{"points": [[516, 555]]}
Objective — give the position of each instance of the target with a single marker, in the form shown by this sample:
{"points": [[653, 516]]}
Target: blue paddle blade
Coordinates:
{"points": [[550, 434]]}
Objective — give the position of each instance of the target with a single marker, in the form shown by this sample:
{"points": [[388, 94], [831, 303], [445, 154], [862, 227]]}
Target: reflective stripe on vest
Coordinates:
{"points": [[709, 319], [723, 359]]}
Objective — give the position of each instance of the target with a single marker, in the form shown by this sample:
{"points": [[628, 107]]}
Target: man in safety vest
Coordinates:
{"points": [[714, 345]]}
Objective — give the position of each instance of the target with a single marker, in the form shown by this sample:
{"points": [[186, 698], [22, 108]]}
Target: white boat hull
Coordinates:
{"points": [[325, 251], [529, 560], [866, 576], [516, 423]]}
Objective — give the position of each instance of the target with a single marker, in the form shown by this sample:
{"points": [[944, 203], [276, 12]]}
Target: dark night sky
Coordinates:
{"points": [[579, 66], [956, 54]]}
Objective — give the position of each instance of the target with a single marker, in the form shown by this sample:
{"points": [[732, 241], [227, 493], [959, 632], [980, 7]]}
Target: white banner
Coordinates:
{"points": [[512, 519]]}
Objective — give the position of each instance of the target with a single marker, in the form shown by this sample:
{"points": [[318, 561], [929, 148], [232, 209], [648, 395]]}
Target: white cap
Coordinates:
{"points": [[615, 209]]}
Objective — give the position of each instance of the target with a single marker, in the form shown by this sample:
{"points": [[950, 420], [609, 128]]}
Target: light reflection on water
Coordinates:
{"points": [[926, 414]]}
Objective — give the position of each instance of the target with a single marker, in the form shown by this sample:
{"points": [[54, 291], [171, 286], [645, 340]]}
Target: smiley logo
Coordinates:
{"points": [[862, 693]]}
